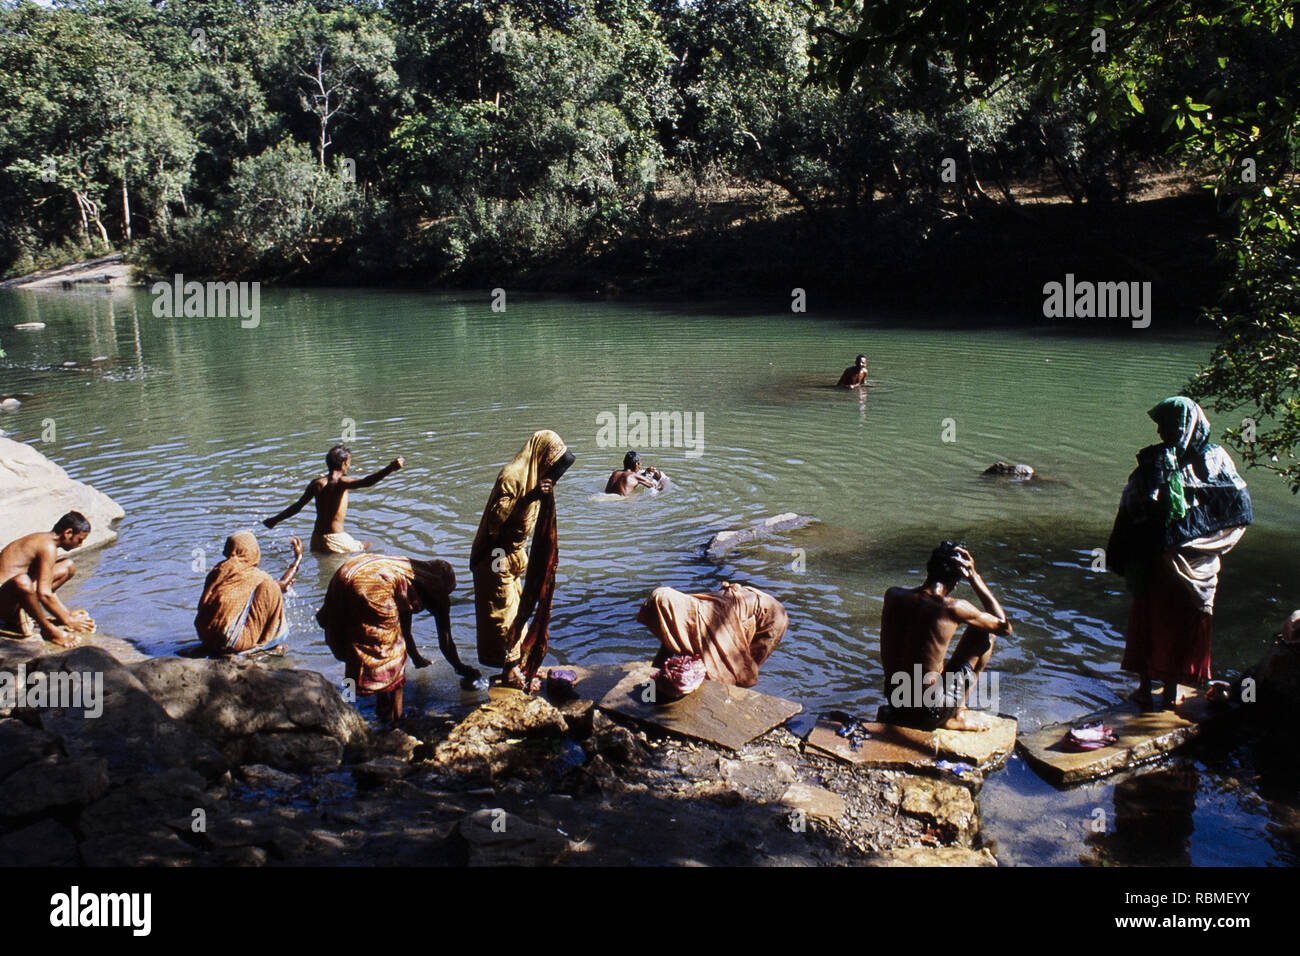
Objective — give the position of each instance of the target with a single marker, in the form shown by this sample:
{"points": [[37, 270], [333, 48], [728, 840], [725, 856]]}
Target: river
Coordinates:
{"points": [[200, 427]]}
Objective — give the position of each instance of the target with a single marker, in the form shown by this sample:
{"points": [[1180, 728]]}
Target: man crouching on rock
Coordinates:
{"points": [[916, 627], [30, 573]]}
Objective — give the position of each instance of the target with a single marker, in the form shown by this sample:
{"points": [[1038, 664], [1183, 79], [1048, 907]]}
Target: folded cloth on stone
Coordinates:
{"points": [[361, 619], [679, 676], [733, 631], [1088, 737], [242, 607]]}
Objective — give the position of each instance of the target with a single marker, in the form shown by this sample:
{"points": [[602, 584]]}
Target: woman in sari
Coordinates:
{"points": [[242, 607], [733, 631], [512, 584], [1184, 507], [367, 621]]}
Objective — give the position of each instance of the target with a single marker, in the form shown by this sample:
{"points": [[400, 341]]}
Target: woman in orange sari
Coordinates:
{"points": [[733, 631], [242, 607], [510, 583], [367, 620]]}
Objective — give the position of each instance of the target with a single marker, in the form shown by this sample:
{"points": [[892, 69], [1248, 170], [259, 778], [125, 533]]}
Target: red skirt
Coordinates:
{"points": [[1168, 633]]}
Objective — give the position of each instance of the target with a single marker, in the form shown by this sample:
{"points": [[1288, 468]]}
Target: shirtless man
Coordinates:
{"points": [[626, 480], [30, 573], [916, 627], [854, 375], [331, 494]]}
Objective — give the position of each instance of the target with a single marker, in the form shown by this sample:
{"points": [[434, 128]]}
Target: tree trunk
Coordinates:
{"points": [[126, 212]]}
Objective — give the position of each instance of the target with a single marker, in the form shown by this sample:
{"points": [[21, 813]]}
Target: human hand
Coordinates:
{"points": [[296, 544], [967, 563], [81, 621], [546, 487], [396, 463]]}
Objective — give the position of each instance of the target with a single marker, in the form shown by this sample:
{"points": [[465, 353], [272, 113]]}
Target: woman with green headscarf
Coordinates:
{"points": [[1184, 507]]}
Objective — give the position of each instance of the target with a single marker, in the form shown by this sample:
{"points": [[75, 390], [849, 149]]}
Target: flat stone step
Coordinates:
{"points": [[892, 747], [1140, 737], [725, 716]]}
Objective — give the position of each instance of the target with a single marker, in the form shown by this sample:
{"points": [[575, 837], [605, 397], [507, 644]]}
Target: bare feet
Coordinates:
{"points": [[1142, 697], [419, 660], [514, 677], [61, 638], [967, 720]]}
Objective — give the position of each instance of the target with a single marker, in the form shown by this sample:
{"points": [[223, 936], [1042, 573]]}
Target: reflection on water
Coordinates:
{"points": [[200, 428]]}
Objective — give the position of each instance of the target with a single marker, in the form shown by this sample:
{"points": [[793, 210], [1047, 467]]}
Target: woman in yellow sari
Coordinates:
{"points": [[510, 584]]}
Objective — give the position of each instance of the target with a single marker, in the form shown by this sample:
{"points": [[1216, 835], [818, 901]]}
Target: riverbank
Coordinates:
{"points": [[195, 763], [112, 272]]}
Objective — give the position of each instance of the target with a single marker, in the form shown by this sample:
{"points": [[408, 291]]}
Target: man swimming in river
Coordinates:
{"points": [[30, 573], [632, 475], [331, 494], [916, 627], [855, 374]]}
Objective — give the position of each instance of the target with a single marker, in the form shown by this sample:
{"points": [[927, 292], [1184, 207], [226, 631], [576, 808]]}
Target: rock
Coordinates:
{"points": [[1002, 469], [127, 727], [380, 770], [35, 493], [52, 782], [933, 856], [21, 744], [155, 847], [241, 856], [282, 717], [949, 808], [613, 741], [261, 777], [42, 844], [724, 541], [148, 803], [498, 838], [816, 803], [479, 746], [1277, 681]]}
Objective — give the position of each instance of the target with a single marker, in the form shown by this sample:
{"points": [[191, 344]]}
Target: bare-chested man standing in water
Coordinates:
{"points": [[331, 494], [632, 475], [916, 627], [30, 573]]}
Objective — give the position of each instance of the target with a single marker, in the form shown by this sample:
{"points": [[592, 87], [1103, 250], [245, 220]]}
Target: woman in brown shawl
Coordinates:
{"points": [[367, 621], [242, 607], [733, 631], [510, 584]]}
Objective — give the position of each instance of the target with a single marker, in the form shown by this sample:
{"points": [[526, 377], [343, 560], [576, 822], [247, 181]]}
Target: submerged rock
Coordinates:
{"points": [[35, 493], [724, 541]]}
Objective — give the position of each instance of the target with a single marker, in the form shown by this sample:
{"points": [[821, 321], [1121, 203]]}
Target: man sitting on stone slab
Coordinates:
{"points": [[916, 627], [30, 573], [733, 631]]}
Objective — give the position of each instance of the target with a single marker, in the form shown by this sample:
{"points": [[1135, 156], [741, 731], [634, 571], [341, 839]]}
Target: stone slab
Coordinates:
{"points": [[905, 748], [716, 713], [1139, 737]]}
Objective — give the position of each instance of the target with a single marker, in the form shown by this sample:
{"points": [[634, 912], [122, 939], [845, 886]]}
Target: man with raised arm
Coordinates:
{"points": [[331, 494], [916, 627], [31, 573]]}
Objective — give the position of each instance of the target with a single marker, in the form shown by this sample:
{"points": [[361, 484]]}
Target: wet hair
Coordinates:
{"points": [[860, 358], [630, 459], [944, 564], [73, 521], [337, 456]]}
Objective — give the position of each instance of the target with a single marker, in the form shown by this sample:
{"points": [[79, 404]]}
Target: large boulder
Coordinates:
{"points": [[285, 718], [35, 493]]}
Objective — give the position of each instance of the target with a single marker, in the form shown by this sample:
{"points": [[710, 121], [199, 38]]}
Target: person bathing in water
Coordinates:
{"points": [[916, 627], [331, 494], [633, 475], [31, 573], [855, 374]]}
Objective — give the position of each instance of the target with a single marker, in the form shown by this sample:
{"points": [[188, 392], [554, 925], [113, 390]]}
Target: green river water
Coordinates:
{"points": [[199, 428]]}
